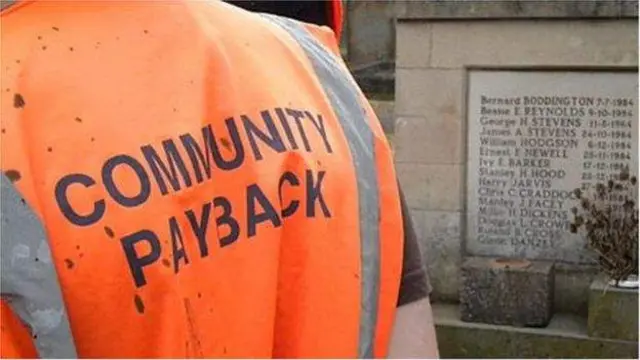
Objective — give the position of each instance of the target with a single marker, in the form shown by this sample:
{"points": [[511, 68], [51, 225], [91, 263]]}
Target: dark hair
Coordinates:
{"points": [[315, 12]]}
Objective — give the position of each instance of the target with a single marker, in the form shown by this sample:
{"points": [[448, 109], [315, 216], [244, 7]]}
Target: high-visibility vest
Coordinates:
{"points": [[197, 181], [336, 18]]}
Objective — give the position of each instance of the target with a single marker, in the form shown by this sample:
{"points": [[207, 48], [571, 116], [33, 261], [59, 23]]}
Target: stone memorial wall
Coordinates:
{"points": [[503, 108], [534, 137]]}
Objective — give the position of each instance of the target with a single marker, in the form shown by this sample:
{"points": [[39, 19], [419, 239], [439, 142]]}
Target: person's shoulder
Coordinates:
{"points": [[325, 35]]}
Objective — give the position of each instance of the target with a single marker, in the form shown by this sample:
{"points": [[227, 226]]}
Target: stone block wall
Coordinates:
{"points": [[369, 31], [434, 53]]}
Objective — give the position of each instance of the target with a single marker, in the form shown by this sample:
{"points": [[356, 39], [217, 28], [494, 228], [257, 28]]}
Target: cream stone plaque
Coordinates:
{"points": [[533, 137]]}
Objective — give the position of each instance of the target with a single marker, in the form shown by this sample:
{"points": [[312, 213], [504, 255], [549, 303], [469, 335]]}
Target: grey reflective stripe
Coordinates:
{"points": [[345, 100], [28, 279], [6, 3]]}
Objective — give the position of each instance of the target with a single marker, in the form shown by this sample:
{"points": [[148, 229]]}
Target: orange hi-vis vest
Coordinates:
{"points": [[190, 180], [336, 16]]}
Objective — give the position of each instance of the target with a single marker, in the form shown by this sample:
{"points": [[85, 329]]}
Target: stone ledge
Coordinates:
{"points": [[515, 9], [386, 114], [377, 80], [564, 337], [613, 312], [507, 292]]}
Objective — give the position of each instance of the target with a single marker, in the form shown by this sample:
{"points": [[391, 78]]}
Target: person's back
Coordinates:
{"points": [[210, 183]]}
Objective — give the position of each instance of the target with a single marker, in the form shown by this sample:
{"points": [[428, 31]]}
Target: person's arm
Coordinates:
{"points": [[413, 334]]}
